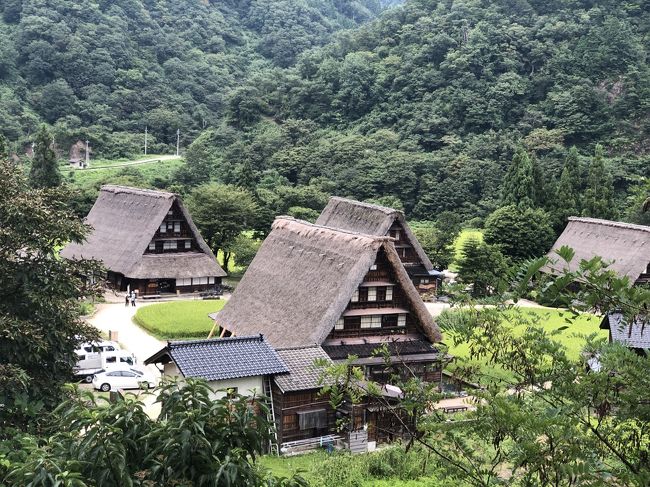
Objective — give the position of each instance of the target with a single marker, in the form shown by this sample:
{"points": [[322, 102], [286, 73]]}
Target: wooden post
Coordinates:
{"points": [[214, 327]]}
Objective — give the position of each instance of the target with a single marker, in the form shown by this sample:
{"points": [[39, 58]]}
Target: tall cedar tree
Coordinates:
{"points": [[518, 186], [39, 311], [567, 201], [45, 171], [598, 201], [4, 148]]}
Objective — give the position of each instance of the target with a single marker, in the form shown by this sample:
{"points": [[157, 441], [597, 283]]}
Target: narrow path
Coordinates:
{"points": [[134, 163], [117, 317]]}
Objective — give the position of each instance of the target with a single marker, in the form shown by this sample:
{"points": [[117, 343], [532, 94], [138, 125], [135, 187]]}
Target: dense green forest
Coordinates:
{"points": [[420, 106], [105, 69]]}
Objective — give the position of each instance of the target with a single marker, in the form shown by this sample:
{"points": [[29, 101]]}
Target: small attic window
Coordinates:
{"points": [[170, 213], [373, 267]]}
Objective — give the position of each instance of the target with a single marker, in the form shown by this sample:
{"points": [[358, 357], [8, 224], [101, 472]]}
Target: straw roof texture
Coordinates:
{"points": [[301, 281], [124, 220], [367, 218], [627, 246]]}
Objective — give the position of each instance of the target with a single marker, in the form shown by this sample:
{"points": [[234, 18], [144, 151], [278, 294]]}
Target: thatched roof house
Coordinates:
{"points": [[625, 245], [302, 280], [371, 219], [147, 241]]}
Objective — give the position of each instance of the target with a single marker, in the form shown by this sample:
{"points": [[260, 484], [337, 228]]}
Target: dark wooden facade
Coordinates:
{"points": [[288, 406], [422, 280]]}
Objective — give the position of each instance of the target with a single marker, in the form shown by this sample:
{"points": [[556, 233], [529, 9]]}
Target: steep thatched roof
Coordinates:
{"points": [[627, 246], [302, 279], [124, 221], [360, 217]]}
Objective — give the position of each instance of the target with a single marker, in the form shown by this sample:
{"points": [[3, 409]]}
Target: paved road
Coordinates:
{"points": [[436, 308], [117, 317]]}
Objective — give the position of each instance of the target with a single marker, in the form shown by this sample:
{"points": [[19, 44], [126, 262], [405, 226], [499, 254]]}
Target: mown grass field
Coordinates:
{"points": [[573, 338], [178, 319], [148, 170], [463, 236]]}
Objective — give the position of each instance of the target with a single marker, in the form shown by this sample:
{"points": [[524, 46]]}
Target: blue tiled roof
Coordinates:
{"points": [[223, 358]]}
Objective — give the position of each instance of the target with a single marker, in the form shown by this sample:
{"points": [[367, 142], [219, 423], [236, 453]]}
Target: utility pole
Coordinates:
{"points": [[178, 140], [145, 140], [87, 154]]}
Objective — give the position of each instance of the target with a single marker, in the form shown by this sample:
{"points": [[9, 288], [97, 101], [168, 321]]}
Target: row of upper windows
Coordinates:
{"points": [[372, 293], [375, 321], [172, 245], [171, 227]]}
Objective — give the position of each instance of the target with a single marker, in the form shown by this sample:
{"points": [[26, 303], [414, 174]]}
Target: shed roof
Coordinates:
{"points": [[625, 245], [302, 279], [636, 335], [124, 220], [303, 374], [222, 358], [368, 218]]}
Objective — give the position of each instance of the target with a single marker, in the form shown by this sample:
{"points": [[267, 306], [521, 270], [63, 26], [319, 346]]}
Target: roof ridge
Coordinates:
{"points": [[610, 223], [242, 338], [287, 218], [116, 188], [384, 209]]}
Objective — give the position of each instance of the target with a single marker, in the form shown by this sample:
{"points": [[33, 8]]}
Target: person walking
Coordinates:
{"points": [[132, 298], [126, 299]]}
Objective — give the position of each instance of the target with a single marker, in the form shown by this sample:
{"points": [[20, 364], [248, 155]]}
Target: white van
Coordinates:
{"points": [[93, 362]]}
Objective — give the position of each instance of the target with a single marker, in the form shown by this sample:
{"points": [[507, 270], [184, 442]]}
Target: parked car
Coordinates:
{"points": [[98, 347], [123, 378], [90, 363]]}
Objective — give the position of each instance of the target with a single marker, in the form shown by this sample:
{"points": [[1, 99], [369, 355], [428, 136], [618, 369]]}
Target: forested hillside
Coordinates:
{"points": [[428, 104], [422, 107], [105, 69]]}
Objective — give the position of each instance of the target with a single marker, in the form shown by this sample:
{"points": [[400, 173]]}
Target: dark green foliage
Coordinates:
{"points": [[197, 440], [519, 233], [519, 182], [40, 293], [44, 172], [437, 240], [598, 201], [482, 266], [221, 213]]}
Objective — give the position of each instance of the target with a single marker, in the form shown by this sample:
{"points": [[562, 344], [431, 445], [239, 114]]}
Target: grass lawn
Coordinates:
{"points": [[178, 319], [463, 236], [549, 319], [149, 170]]}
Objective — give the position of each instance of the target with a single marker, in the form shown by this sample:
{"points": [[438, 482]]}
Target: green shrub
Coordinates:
{"points": [[341, 470]]}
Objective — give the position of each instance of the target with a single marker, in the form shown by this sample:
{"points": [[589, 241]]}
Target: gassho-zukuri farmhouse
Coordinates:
{"points": [[148, 243]]}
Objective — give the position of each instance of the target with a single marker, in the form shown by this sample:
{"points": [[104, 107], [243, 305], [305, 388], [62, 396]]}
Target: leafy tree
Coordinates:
{"points": [[598, 200], [437, 241], [44, 172], [519, 182], [244, 249], [197, 440], [482, 266], [221, 213], [39, 309], [519, 233]]}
